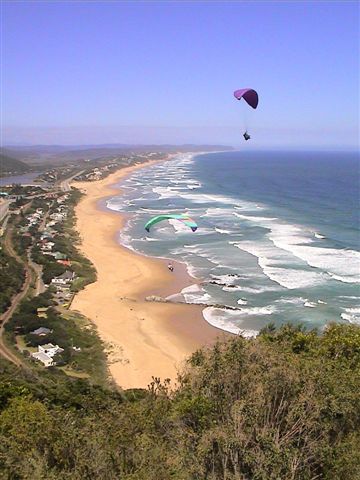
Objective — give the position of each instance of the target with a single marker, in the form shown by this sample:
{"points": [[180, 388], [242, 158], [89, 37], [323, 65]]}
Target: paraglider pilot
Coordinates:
{"points": [[251, 98]]}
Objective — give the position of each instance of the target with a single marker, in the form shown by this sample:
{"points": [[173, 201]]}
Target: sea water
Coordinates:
{"points": [[277, 240]]}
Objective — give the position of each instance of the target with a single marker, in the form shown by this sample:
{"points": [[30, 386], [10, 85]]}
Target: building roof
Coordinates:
{"points": [[68, 275], [41, 331], [48, 346], [67, 263], [42, 357], [60, 256]]}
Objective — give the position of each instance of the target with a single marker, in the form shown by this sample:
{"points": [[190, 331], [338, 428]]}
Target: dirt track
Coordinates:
{"points": [[5, 351]]}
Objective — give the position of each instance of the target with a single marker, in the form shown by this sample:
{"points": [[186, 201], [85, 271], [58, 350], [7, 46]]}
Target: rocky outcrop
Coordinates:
{"points": [[155, 298]]}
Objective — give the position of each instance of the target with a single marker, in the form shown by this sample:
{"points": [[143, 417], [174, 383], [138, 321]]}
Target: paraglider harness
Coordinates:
{"points": [[246, 136]]}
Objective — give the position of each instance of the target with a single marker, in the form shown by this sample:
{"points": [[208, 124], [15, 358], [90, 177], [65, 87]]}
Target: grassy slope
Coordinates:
{"points": [[11, 165]]}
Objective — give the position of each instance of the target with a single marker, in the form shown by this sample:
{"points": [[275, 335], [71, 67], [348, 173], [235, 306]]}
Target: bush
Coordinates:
{"points": [[284, 405], [11, 279]]}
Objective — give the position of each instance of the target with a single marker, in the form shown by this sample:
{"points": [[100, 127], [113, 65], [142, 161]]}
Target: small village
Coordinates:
{"points": [[45, 226], [37, 232], [39, 223]]}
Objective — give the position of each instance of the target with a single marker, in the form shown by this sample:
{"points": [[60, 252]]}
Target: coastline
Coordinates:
{"points": [[143, 339]]}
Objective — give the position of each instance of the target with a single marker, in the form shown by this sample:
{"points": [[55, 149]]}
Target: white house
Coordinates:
{"points": [[47, 246], [58, 216], [46, 353], [63, 279], [42, 357], [50, 349]]}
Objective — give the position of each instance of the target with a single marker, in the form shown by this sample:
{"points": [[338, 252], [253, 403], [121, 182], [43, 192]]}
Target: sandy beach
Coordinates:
{"points": [[146, 339]]}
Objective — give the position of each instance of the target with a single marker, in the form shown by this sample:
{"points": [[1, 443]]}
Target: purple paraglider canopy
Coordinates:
{"points": [[249, 95]]}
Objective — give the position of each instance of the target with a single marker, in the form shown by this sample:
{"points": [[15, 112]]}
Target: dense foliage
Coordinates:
{"points": [[282, 406], [67, 330], [11, 279]]}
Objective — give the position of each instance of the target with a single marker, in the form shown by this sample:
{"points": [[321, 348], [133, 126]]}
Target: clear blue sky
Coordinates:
{"points": [[102, 72]]}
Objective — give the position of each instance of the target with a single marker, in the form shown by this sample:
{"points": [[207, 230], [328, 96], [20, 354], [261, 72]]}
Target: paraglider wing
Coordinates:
{"points": [[249, 95], [155, 220], [159, 218], [190, 223]]}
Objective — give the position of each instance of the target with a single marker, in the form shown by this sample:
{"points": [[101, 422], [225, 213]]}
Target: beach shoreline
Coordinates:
{"points": [[146, 339]]}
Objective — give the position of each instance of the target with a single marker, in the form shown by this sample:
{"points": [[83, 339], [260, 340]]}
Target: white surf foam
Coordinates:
{"points": [[342, 265], [352, 315], [347, 279], [272, 261], [259, 220], [259, 289], [195, 294], [179, 227], [223, 319], [226, 232], [242, 301], [218, 212], [291, 300], [270, 309]]}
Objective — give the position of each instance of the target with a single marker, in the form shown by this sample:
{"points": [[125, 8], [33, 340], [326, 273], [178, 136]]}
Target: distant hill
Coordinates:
{"points": [[62, 154], [10, 166]]}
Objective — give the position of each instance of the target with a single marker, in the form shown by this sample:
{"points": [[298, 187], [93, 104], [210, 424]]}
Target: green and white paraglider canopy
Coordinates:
{"points": [[181, 217]]}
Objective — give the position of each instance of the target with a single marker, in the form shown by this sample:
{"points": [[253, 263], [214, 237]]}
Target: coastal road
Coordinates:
{"points": [[65, 184], [5, 351], [40, 287], [38, 269], [4, 208]]}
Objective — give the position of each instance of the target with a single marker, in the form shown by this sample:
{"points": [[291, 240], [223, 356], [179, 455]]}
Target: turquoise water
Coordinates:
{"points": [[278, 236]]}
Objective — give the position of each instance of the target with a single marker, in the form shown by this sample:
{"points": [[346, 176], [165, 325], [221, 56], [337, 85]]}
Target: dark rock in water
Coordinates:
{"points": [[221, 284], [224, 307]]}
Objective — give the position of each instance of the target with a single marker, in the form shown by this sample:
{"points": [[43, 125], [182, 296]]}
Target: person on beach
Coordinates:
{"points": [[171, 267]]}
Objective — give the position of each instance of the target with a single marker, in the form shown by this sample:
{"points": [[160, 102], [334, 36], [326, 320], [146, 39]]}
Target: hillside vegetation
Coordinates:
{"points": [[11, 279], [284, 406], [9, 165]]}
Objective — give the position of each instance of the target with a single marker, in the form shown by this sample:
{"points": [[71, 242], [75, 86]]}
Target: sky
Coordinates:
{"points": [[81, 72]]}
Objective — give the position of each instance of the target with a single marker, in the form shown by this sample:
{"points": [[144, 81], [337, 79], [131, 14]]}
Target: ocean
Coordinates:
{"points": [[278, 234]]}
